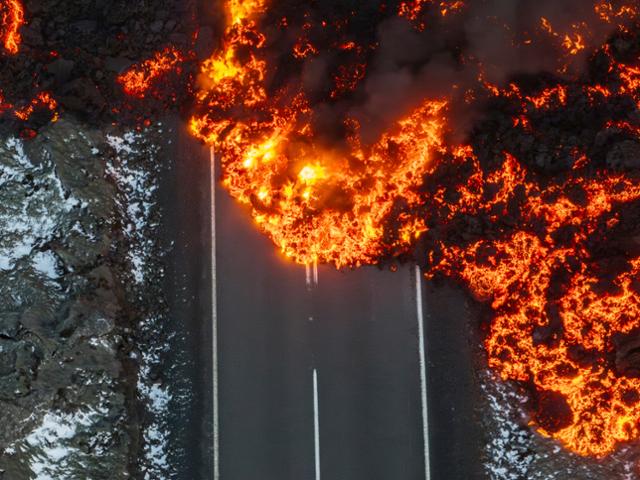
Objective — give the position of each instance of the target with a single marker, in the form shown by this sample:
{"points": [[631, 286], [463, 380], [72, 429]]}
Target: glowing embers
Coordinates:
{"points": [[412, 9], [573, 41], [11, 19], [581, 34], [43, 101], [139, 79], [610, 13]]}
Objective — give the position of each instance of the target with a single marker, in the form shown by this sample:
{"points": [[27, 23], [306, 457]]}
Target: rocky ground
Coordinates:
{"points": [[75, 49], [63, 380], [82, 334]]}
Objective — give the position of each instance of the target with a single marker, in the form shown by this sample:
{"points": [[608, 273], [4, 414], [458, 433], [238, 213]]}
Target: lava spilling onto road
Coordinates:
{"points": [[559, 309], [498, 145], [319, 203], [562, 312]]}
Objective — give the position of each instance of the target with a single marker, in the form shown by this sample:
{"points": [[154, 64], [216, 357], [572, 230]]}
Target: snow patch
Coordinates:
{"points": [[45, 263], [54, 456], [32, 203]]}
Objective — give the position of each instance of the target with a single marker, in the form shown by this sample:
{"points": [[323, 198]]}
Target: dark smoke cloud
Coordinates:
{"points": [[499, 38]]}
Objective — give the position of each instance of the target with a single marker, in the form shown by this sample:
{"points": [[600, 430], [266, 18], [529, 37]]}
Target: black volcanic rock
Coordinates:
{"points": [[627, 354], [61, 69], [624, 155], [77, 48], [552, 411]]}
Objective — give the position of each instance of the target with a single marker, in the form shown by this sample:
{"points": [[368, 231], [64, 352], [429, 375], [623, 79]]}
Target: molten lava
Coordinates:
{"points": [[563, 310], [318, 203], [43, 101], [560, 309], [555, 321], [11, 19]]}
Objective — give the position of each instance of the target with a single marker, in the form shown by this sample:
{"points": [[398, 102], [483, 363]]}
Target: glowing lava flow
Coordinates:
{"points": [[11, 19], [555, 318], [317, 203], [43, 101], [565, 300]]}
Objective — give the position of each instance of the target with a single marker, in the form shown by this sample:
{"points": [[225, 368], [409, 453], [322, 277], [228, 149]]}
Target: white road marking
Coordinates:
{"points": [[423, 374], [214, 319], [307, 272], [311, 274], [315, 273], [316, 423]]}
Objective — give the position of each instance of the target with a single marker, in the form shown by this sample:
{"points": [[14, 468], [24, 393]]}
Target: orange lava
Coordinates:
{"points": [[11, 19], [557, 335], [559, 311], [140, 78], [43, 100], [317, 203]]}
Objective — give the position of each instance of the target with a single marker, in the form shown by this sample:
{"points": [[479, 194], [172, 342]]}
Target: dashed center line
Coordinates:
{"points": [[316, 423]]}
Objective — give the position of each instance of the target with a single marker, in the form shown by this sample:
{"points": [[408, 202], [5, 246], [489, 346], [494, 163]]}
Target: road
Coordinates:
{"points": [[317, 373], [320, 370], [185, 194], [357, 330]]}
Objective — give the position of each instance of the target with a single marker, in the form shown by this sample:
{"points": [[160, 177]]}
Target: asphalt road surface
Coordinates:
{"points": [[356, 330], [319, 373]]}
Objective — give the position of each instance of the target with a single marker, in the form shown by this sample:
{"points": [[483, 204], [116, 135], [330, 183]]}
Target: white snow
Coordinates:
{"points": [[123, 144], [45, 263], [139, 188], [52, 454], [34, 219]]}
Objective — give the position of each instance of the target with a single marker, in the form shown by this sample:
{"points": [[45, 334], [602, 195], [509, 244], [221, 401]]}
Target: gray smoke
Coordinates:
{"points": [[498, 39]]}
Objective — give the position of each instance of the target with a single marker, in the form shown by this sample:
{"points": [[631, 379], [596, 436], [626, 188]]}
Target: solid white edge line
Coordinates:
{"points": [[315, 272], [316, 423], [214, 319], [423, 373]]}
